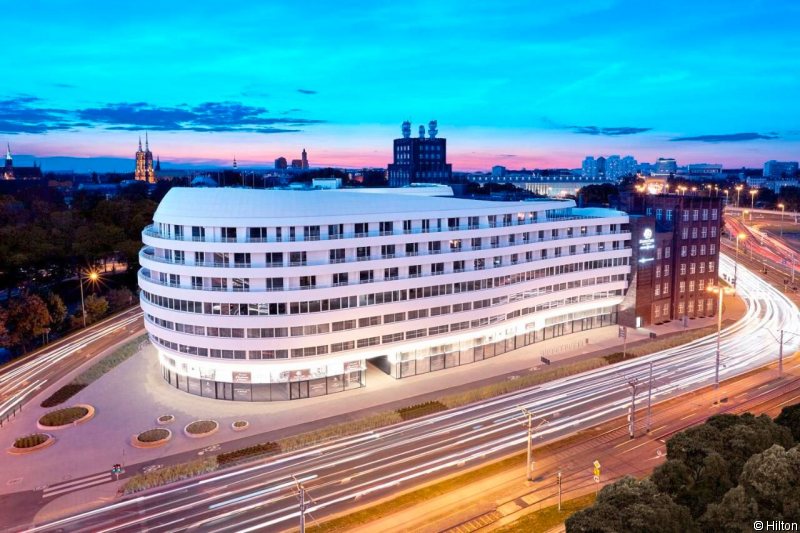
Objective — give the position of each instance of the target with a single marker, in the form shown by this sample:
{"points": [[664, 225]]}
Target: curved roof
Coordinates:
{"points": [[185, 205]]}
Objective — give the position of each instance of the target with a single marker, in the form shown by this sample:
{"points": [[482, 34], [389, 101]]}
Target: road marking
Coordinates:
{"points": [[76, 484], [690, 415]]}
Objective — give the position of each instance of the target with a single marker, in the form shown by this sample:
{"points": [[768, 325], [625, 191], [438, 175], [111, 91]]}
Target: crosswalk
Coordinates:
{"points": [[72, 485]]}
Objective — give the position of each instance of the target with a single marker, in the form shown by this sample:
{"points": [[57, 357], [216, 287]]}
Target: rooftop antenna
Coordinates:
{"points": [[421, 131], [432, 129], [406, 129]]}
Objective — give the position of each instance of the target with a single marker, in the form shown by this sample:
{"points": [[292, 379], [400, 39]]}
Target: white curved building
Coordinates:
{"points": [[261, 295]]}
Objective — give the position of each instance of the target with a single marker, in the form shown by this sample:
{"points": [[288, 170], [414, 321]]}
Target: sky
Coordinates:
{"points": [[520, 83]]}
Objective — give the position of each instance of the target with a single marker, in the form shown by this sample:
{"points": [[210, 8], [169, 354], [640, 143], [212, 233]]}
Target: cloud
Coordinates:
{"points": [[728, 137], [610, 131], [25, 114], [306, 91]]}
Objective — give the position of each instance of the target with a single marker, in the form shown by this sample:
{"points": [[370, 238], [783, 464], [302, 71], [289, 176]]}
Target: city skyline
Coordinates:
{"points": [[514, 85]]}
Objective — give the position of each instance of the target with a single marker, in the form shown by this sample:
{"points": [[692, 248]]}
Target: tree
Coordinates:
{"points": [[600, 194], [632, 506], [56, 308], [27, 320], [96, 308], [790, 418], [120, 298]]}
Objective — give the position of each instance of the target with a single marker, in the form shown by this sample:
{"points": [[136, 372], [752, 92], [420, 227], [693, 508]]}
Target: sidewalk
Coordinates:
{"points": [[132, 396]]}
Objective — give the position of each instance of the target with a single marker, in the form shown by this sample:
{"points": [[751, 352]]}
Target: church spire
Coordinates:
{"points": [[8, 152], [235, 164], [146, 143], [140, 143]]}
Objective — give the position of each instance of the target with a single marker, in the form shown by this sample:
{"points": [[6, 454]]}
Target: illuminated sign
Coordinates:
{"points": [[647, 242]]}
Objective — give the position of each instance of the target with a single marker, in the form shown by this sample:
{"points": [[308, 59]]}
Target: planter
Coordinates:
{"points": [[71, 414], [240, 425], [201, 428], [152, 438], [165, 419], [31, 443]]}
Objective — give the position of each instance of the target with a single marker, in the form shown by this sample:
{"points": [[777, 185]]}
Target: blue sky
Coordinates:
{"points": [[520, 83]]}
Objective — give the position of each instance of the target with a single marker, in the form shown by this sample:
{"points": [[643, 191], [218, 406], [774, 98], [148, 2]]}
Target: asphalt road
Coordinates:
{"points": [[338, 475]]}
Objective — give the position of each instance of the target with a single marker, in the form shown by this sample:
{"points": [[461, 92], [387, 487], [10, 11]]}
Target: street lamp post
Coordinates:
{"points": [[721, 292], [93, 277], [783, 210], [739, 237], [529, 415], [753, 193], [738, 192]]}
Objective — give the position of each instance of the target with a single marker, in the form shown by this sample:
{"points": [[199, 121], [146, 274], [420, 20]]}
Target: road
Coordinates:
{"points": [[261, 496], [22, 378]]}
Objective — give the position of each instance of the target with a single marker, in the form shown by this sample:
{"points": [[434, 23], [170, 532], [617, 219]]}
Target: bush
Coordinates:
{"points": [[198, 427], [251, 452], [166, 419], [63, 394], [153, 435], [29, 441], [169, 474], [63, 416], [339, 430], [421, 409]]}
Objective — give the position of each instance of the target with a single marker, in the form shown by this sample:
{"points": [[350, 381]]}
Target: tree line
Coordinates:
{"points": [[723, 475]]}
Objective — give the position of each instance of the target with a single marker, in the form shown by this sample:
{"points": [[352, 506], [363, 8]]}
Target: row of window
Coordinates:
{"points": [[360, 229], [377, 320], [694, 214], [382, 339], [363, 276], [703, 232], [692, 250], [345, 302]]}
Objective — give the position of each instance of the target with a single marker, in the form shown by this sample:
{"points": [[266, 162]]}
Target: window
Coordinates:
{"points": [[659, 213], [473, 222], [476, 243], [198, 233], [412, 248], [335, 231], [669, 219], [311, 233], [458, 266], [453, 223], [658, 271], [686, 216], [702, 267], [498, 261], [229, 234], [406, 226], [692, 268], [682, 287], [713, 214], [274, 259], [437, 268], [705, 214], [694, 233], [701, 285], [414, 271], [666, 288], [434, 247], [657, 290], [366, 276], [683, 251], [712, 249], [337, 255], [711, 266], [426, 226], [694, 250], [658, 253], [691, 285], [680, 308], [713, 232], [683, 269], [695, 215], [197, 282], [667, 250], [241, 259], [685, 233], [492, 221], [386, 228], [274, 284], [455, 245], [297, 258], [702, 249], [308, 282], [387, 251], [340, 279], [390, 273], [704, 232], [241, 284], [257, 234], [479, 264], [362, 253], [362, 229], [666, 271]]}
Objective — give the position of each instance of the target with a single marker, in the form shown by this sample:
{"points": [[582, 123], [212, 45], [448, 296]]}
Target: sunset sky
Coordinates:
{"points": [[520, 83]]}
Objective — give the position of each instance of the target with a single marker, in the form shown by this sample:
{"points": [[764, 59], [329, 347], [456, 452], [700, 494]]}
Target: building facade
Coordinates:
{"points": [[274, 295], [10, 172], [675, 256], [144, 162], [777, 170], [421, 159]]}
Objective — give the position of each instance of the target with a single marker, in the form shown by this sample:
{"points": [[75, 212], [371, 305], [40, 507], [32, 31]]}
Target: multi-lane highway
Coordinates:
{"points": [[22, 378], [350, 471]]}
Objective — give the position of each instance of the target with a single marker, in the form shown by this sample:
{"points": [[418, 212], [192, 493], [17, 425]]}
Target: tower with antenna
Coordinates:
{"points": [[421, 159]]}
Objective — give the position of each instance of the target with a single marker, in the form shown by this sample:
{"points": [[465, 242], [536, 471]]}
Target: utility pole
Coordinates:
{"points": [[559, 490], [529, 442], [780, 357], [632, 418], [303, 506], [649, 397]]}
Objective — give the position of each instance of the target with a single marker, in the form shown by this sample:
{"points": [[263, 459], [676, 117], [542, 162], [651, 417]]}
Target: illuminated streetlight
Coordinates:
{"points": [[721, 291], [783, 210], [738, 192], [92, 276], [753, 193], [739, 237]]}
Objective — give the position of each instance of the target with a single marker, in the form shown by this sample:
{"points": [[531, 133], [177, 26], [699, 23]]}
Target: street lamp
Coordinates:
{"points": [[92, 276], [739, 237], [531, 429], [783, 210], [738, 192], [726, 191], [753, 193], [721, 291]]}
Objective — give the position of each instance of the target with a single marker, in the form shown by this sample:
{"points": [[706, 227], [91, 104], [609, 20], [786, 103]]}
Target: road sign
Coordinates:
{"points": [[623, 332], [545, 360], [597, 479], [596, 464]]}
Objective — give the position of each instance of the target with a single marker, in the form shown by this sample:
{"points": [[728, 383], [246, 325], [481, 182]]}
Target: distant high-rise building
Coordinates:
{"points": [[304, 160], [613, 167], [280, 163], [704, 169], [665, 166], [420, 160], [628, 166], [780, 169], [601, 167], [589, 168], [144, 162], [158, 164]]}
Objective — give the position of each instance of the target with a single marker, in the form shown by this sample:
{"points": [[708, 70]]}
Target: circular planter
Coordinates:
{"points": [[240, 425], [201, 428], [31, 443], [152, 438], [165, 419], [72, 414]]}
